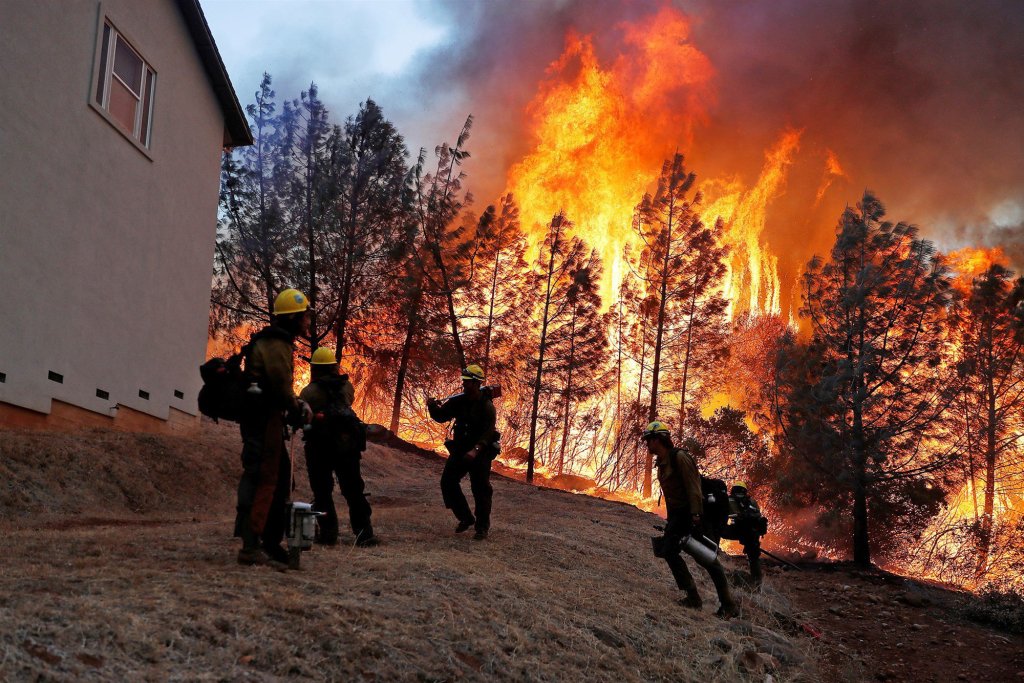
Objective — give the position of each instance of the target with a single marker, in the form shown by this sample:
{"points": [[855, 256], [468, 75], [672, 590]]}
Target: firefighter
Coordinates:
{"points": [[746, 524], [335, 440], [680, 484], [471, 450], [271, 406]]}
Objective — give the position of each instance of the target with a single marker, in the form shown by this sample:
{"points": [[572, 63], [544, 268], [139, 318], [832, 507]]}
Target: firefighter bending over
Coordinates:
{"points": [[746, 524], [680, 484], [335, 440], [471, 450]]}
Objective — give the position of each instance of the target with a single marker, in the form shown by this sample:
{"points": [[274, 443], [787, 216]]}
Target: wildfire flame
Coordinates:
{"points": [[600, 137], [600, 131], [970, 262], [752, 281]]}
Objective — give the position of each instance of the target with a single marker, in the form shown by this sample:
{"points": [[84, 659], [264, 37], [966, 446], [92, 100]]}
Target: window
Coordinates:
{"points": [[125, 86]]}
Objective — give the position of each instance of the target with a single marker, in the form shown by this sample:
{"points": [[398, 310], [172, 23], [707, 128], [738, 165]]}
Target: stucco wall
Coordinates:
{"points": [[105, 253]]}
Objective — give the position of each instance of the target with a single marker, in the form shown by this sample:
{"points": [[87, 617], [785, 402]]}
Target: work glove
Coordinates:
{"points": [[472, 453]]}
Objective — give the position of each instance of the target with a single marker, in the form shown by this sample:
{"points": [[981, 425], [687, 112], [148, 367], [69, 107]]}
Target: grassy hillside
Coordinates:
{"points": [[120, 566]]}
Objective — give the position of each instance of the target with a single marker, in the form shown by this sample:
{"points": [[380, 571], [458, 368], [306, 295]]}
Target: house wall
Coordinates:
{"points": [[105, 252]]}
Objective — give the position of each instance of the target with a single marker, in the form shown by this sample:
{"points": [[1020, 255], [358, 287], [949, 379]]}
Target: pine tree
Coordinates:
{"points": [[556, 257], [368, 158], [577, 339], [438, 205], [304, 164], [253, 238], [990, 343], [500, 293], [862, 403], [680, 266]]}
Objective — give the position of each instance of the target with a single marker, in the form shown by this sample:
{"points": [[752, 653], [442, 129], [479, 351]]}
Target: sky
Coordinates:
{"points": [[921, 101]]}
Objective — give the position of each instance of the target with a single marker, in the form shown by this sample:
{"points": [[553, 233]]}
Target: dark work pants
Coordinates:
{"points": [[323, 465], [264, 485], [677, 527], [479, 471], [751, 542]]}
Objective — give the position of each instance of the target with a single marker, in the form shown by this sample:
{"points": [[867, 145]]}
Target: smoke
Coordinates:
{"points": [[919, 101]]}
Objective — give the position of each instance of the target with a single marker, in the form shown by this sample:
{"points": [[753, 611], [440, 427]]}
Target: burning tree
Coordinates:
{"points": [[559, 275], [499, 296], [577, 340], [990, 342], [367, 162], [861, 404], [680, 268]]}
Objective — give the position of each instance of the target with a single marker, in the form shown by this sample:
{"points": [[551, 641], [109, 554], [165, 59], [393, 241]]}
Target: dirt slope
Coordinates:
{"points": [[119, 566]]}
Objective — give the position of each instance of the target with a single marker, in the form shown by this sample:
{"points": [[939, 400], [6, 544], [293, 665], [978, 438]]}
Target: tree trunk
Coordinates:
{"points": [[490, 309], [988, 514], [652, 413], [531, 452], [346, 281], [403, 364], [861, 539], [686, 359], [568, 392]]}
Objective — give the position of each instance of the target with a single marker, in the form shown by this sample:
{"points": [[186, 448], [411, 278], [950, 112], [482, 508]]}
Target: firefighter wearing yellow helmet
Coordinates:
{"points": [[266, 470], [471, 450], [747, 525], [335, 440], [680, 484]]}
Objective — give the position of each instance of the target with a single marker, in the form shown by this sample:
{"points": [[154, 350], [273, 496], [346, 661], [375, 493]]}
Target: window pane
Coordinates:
{"points": [[128, 66], [147, 107], [104, 66], [123, 105]]}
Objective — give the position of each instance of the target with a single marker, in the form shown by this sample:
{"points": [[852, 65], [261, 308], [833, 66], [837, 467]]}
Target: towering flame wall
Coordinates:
{"points": [[601, 132]]}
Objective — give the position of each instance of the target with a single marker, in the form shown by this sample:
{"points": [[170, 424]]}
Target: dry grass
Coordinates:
{"points": [[564, 589]]}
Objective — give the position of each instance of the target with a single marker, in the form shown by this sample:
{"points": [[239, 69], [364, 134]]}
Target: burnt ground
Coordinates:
{"points": [[118, 565], [875, 625]]}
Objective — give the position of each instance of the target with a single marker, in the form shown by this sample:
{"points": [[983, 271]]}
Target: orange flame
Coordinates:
{"points": [[600, 137], [971, 262], [752, 281], [600, 131]]}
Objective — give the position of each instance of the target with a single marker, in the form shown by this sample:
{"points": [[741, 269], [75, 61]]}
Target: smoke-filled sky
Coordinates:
{"points": [[922, 102]]}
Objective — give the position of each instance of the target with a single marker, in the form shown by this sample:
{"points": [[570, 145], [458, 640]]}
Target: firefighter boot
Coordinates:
{"points": [[692, 600], [728, 608]]}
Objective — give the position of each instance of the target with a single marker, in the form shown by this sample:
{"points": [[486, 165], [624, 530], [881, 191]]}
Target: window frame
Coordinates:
{"points": [[103, 73]]}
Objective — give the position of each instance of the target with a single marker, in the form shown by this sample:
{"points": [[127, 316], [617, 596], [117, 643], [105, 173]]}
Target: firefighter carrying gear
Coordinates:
{"points": [[680, 482], [471, 452], [335, 441], [746, 524], [266, 469], [290, 301]]}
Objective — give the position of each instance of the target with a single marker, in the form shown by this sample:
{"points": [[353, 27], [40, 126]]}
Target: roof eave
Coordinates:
{"points": [[236, 127]]}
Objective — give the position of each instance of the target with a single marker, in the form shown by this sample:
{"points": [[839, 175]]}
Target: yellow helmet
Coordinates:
{"points": [[323, 356], [290, 301], [654, 429], [473, 372], [740, 485]]}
